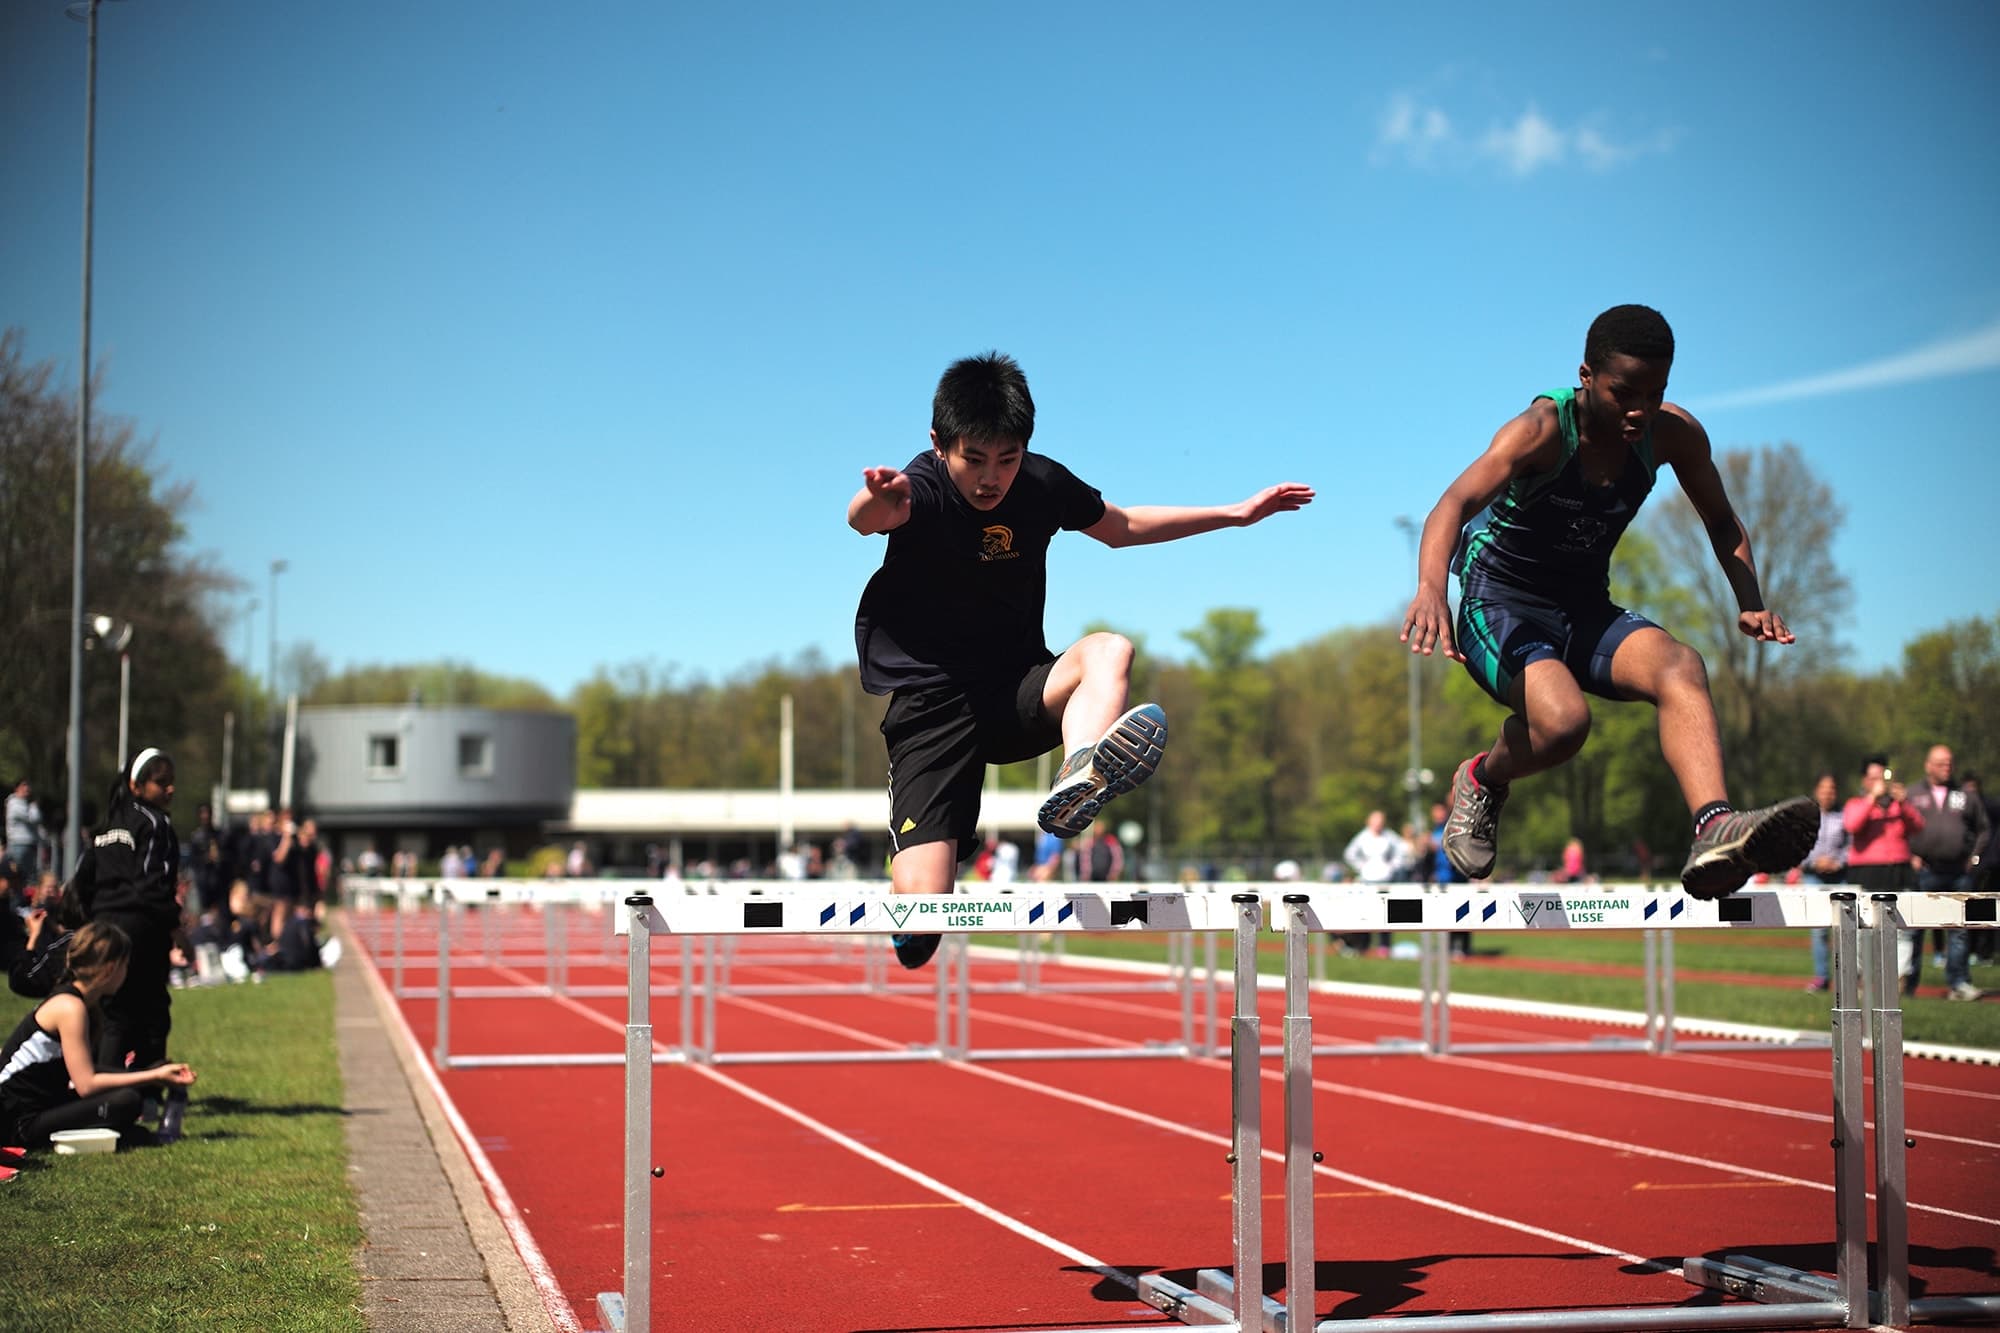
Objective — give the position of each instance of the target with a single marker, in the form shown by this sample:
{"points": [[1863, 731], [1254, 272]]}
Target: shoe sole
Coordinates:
{"points": [[913, 951], [1775, 843], [1129, 754]]}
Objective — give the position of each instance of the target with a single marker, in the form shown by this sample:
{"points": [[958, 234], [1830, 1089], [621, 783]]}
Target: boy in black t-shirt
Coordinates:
{"points": [[951, 627]]}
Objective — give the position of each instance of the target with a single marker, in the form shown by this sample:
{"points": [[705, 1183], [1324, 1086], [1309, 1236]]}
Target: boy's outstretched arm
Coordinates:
{"points": [[1523, 444], [1143, 525], [882, 503], [1684, 444]]}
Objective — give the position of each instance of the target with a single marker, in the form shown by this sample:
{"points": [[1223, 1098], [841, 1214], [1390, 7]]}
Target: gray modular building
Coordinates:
{"points": [[405, 777], [420, 779]]}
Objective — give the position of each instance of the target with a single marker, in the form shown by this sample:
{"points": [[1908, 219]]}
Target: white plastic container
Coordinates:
{"points": [[71, 1142]]}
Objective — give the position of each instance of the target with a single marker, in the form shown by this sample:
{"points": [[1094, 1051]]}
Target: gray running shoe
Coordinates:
{"points": [[1743, 843], [1472, 829], [1123, 758]]}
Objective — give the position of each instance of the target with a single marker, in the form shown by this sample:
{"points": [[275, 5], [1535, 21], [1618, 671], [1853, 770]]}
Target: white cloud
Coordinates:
{"points": [[1413, 130], [1528, 145], [1419, 132], [1966, 355]]}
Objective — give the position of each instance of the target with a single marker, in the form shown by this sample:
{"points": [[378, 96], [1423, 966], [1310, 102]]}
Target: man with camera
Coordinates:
{"points": [[1945, 852]]}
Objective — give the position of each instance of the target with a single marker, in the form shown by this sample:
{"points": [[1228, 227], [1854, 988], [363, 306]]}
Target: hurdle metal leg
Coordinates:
{"points": [[1892, 1219], [1301, 1286], [1234, 1299], [441, 1049], [630, 1310], [1844, 1299]]}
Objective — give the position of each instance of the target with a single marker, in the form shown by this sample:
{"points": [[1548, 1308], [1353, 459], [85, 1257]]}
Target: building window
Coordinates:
{"points": [[385, 756], [475, 755]]}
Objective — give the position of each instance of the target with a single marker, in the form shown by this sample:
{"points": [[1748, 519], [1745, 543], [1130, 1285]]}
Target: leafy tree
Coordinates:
{"points": [[443, 682], [1793, 518], [1232, 731], [135, 571], [1950, 695]]}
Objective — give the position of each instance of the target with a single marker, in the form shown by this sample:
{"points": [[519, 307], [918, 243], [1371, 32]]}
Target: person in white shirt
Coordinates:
{"points": [[1377, 857]]}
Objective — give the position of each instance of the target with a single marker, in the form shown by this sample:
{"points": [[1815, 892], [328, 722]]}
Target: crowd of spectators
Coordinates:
{"points": [[146, 910]]}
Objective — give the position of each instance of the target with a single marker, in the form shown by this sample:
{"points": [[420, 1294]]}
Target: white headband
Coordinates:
{"points": [[146, 756]]}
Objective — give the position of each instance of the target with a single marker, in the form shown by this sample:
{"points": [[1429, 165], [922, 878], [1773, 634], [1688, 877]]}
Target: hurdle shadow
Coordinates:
{"points": [[1975, 1261], [1372, 1286]]}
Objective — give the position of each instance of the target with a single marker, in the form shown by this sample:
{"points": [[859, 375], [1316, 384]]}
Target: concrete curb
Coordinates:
{"points": [[435, 1256]]}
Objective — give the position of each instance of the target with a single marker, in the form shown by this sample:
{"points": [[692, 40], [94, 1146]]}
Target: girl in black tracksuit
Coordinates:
{"points": [[128, 876]]}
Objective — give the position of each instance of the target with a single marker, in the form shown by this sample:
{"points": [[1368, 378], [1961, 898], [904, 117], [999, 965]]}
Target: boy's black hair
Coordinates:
{"points": [[984, 400], [1881, 759], [1630, 330]]}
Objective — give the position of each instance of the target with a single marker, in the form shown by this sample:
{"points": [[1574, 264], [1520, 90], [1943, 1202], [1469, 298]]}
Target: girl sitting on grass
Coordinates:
{"points": [[49, 1079]]}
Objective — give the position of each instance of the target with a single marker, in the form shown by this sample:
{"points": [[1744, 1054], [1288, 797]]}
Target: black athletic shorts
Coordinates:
{"points": [[942, 737], [1500, 635]]}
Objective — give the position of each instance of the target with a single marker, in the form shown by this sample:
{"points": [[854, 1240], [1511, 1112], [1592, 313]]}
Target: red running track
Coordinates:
{"points": [[1021, 1194]]}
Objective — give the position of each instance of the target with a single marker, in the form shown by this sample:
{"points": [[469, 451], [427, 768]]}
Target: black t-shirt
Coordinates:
{"points": [[960, 593]]}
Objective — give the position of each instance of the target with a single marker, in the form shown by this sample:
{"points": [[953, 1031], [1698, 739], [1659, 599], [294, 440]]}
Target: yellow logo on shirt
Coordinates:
{"points": [[908, 824], [997, 543]]}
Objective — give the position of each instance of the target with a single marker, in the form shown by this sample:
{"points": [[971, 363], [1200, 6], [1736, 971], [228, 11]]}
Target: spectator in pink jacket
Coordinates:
{"points": [[1881, 821]]}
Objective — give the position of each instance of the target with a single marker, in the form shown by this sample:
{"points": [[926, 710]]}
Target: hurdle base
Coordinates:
{"points": [[1945, 1309], [1210, 1304], [1754, 1279], [611, 1311]]}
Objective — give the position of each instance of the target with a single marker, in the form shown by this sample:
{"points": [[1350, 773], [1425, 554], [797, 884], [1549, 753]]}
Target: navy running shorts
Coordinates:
{"points": [[1501, 635], [942, 737]]}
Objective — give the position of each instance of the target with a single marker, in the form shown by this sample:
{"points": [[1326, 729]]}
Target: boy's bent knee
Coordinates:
{"points": [[1561, 730], [1107, 651]]}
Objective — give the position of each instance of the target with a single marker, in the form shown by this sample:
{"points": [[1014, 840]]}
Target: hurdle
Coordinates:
{"points": [[1214, 1302], [1776, 1295], [1658, 1030], [707, 965]]}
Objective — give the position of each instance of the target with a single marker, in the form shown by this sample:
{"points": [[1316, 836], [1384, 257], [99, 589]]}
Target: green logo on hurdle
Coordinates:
{"points": [[963, 914]]}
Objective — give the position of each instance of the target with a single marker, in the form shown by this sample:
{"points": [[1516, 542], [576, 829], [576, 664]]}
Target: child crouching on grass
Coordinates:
{"points": [[49, 1079]]}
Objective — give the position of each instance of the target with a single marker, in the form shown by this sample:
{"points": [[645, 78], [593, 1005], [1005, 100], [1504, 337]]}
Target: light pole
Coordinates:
{"points": [[1416, 776], [116, 635], [277, 567], [72, 833]]}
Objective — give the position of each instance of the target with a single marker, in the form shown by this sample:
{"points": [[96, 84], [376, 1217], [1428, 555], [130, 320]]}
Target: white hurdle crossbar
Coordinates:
{"points": [[1779, 1296], [474, 924], [1056, 910]]}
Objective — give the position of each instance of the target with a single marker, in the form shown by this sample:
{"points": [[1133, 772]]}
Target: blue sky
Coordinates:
{"points": [[546, 337]]}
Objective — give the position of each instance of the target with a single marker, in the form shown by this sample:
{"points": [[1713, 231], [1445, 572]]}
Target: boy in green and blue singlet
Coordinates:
{"points": [[1529, 529]]}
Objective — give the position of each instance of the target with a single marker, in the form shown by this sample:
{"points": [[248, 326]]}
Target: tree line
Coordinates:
{"points": [[1273, 753]]}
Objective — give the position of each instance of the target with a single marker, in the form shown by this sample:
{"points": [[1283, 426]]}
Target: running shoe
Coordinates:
{"points": [[1123, 758], [913, 951], [1965, 990], [1472, 830], [1743, 843]]}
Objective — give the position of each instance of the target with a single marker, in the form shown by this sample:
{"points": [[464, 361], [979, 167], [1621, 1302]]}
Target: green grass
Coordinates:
{"points": [[1780, 954], [247, 1224]]}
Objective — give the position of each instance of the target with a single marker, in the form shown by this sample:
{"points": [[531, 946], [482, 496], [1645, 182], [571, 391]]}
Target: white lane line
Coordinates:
{"points": [[1077, 1256], [561, 1313], [910, 1173], [1738, 1062], [1533, 1071], [1702, 1099], [1510, 1123], [1204, 1136]]}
